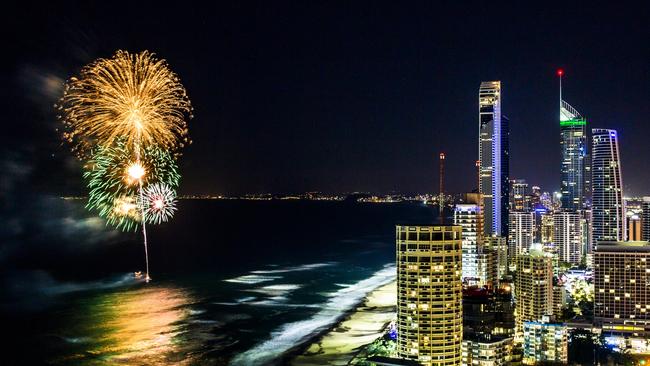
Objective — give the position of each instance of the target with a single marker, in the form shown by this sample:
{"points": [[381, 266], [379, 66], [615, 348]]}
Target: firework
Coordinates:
{"points": [[114, 178], [123, 213], [158, 203], [135, 97]]}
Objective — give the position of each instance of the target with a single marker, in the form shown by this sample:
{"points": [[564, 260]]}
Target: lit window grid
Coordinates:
{"points": [[429, 294]]}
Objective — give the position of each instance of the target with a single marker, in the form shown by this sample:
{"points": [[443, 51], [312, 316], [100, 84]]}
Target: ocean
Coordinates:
{"points": [[234, 282]]}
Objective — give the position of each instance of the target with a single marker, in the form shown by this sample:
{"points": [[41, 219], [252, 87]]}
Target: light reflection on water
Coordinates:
{"points": [[136, 327]]}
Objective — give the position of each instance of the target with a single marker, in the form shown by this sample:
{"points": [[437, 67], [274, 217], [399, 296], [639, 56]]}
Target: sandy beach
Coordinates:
{"points": [[361, 327]]}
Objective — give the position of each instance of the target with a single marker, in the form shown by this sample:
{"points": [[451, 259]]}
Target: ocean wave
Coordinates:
{"points": [[240, 301], [77, 339], [293, 334], [196, 311], [275, 290], [252, 279], [282, 304], [303, 267]]}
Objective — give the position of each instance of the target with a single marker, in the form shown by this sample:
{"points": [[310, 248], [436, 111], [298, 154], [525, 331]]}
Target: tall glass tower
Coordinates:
{"points": [[573, 142], [493, 156], [608, 208]]}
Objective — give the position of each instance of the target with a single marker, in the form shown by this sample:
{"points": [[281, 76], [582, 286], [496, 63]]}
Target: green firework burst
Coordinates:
{"points": [[112, 194]]}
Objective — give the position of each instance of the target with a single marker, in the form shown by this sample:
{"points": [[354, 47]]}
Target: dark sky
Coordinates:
{"points": [[341, 96]]}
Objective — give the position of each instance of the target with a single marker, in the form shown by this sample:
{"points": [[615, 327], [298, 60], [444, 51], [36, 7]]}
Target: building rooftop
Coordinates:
{"points": [[485, 338], [427, 225], [623, 246], [389, 361]]}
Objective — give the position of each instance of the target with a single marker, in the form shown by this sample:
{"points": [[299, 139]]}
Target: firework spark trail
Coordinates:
{"points": [[144, 235]]}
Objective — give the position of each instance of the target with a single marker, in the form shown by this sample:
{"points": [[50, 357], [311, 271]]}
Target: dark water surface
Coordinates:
{"points": [[234, 282]]}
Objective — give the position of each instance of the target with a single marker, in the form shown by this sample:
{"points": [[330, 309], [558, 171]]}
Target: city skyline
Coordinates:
{"points": [[334, 117], [253, 184]]}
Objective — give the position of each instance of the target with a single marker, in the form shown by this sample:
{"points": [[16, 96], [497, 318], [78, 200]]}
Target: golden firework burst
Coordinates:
{"points": [[135, 97]]}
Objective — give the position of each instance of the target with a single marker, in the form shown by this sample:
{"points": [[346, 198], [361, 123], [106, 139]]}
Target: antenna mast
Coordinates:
{"points": [[441, 198]]}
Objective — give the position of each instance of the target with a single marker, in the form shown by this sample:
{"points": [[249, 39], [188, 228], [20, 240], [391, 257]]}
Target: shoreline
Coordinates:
{"points": [[360, 326]]}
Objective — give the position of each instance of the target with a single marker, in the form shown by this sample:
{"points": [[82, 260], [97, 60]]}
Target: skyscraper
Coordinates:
{"points": [[469, 217], [608, 208], [533, 287], [498, 246], [645, 219], [573, 143], [567, 236], [478, 260], [521, 232], [493, 155], [429, 294]]}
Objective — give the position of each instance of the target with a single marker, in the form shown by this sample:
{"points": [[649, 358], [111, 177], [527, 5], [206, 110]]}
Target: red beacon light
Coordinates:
{"points": [[560, 72]]}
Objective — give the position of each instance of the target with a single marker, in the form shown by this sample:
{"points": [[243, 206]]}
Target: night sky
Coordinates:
{"points": [[339, 97]]}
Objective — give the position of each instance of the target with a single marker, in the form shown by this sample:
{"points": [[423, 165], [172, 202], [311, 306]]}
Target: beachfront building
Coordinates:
{"points": [[487, 350], [545, 342], [533, 288], [429, 294]]}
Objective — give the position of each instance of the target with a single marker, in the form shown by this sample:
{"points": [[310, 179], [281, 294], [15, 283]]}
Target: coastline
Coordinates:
{"points": [[358, 328]]}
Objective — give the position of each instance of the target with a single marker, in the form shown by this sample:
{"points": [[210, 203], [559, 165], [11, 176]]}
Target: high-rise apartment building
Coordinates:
{"points": [[621, 285], [645, 219], [545, 342], [521, 232], [547, 231], [567, 236], [469, 217], [533, 287], [479, 268], [587, 231], [499, 248], [608, 207], [493, 159], [429, 294], [573, 142], [487, 350]]}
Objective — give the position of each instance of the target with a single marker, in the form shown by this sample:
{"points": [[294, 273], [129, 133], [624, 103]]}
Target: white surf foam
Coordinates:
{"points": [[252, 279], [304, 267], [243, 300], [275, 290], [293, 334]]}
